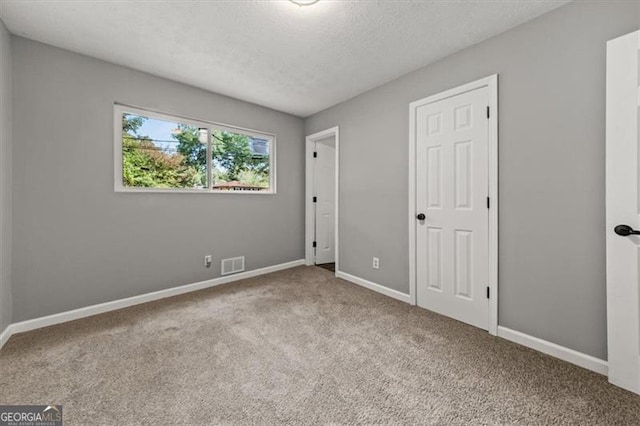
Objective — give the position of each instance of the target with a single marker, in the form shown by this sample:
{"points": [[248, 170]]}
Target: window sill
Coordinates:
{"points": [[188, 191]]}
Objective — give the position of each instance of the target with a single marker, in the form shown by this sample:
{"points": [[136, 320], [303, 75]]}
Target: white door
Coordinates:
{"points": [[623, 208], [451, 192], [325, 201]]}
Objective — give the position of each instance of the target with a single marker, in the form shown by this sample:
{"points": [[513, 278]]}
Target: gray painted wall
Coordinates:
{"points": [[76, 241], [5, 178], [551, 130]]}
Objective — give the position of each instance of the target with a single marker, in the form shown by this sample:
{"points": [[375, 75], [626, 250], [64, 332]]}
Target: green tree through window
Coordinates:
{"points": [[165, 154], [235, 161], [148, 164]]}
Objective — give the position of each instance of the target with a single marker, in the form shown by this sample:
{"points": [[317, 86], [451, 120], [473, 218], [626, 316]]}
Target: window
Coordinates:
{"points": [[157, 153]]}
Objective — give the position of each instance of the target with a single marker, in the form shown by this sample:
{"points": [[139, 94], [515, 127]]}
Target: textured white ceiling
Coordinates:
{"points": [[295, 59]]}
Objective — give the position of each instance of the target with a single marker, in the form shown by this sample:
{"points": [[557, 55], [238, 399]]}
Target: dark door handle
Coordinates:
{"points": [[421, 216], [625, 230]]}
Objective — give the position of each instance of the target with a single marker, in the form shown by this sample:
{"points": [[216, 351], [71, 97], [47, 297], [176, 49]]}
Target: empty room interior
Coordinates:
{"points": [[320, 212]]}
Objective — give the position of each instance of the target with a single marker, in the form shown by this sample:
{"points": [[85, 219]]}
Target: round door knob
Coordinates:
{"points": [[625, 230], [421, 216]]}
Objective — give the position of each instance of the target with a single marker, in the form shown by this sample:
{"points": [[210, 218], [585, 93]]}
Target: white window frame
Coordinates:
{"points": [[119, 109]]}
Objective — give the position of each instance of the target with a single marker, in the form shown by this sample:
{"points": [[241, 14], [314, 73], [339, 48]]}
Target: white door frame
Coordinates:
{"points": [[491, 83], [623, 309], [309, 193]]}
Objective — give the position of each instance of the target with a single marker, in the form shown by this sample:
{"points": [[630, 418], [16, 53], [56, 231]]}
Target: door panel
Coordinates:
{"points": [[452, 186], [434, 176], [325, 205], [434, 253]]}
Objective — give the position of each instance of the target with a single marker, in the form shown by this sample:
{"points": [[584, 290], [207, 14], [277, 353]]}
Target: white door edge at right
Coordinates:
{"points": [[452, 186], [623, 208]]}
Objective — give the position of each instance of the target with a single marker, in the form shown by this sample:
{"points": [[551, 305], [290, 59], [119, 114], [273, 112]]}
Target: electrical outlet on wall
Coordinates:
{"points": [[376, 263], [207, 261]]}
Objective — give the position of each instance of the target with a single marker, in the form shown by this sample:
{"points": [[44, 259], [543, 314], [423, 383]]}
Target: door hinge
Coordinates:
{"points": [[314, 244], [488, 112], [488, 202], [488, 293], [315, 199], [315, 154]]}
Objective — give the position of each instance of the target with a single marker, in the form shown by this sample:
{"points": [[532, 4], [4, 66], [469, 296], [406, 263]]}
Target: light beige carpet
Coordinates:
{"points": [[297, 347]]}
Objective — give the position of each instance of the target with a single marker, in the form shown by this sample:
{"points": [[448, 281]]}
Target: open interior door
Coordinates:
{"points": [[623, 212]]}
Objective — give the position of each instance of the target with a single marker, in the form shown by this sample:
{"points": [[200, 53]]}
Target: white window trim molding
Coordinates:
{"points": [[491, 82], [309, 192], [119, 109]]}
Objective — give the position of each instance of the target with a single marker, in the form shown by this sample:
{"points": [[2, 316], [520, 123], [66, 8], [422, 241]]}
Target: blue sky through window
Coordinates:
{"points": [[160, 131]]}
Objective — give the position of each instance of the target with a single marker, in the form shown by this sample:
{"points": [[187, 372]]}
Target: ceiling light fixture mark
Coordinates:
{"points": [[304, 2]]}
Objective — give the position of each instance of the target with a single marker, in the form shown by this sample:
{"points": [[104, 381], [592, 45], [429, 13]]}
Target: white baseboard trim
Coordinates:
{"points": [[552, 349], [574, 357], [4, 336], [21, 327], [403, 297]]}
